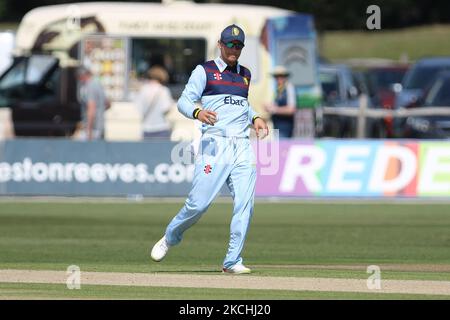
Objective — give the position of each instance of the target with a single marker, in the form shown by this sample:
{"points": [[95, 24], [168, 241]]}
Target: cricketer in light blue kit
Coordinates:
{"points": [[225, 152]]}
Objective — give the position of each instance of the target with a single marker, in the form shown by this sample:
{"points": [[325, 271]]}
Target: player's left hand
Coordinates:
{"points": [[261, 128]]}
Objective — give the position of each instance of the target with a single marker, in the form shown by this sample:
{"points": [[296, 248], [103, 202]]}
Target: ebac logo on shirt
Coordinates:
{"points": [[230, 100]]}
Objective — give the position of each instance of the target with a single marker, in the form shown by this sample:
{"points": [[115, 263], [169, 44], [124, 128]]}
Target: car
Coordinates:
{"points": [[341, 87], [383, 83], [32, 88], [414, 85], [432, 126], [418, 79]]}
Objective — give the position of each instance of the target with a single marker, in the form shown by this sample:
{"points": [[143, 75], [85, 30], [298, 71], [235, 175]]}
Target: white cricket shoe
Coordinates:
{"points": [[160, 249], [237, 269]]}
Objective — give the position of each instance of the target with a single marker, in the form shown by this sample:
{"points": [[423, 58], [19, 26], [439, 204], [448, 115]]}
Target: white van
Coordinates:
{"points": [[6, 49], [120, 41]]}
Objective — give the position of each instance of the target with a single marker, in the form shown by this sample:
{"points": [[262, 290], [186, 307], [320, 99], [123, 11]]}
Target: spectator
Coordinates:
{"points": [[283, 108], [154, 101], [94, 104]]}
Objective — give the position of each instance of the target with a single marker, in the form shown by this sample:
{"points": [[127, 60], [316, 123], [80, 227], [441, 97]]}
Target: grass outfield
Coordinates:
{"points": [[55, 291], [117, 237], [414, 42]]}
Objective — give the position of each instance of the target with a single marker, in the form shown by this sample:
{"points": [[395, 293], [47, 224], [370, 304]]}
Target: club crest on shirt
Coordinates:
{"points": [[217, 76], [207, 169]]}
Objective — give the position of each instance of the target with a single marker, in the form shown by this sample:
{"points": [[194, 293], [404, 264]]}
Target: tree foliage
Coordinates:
{"points": [[328, 14]]}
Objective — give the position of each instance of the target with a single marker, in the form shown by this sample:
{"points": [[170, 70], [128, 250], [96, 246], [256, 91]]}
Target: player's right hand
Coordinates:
{"points": [[208, 117], [261, 128]]}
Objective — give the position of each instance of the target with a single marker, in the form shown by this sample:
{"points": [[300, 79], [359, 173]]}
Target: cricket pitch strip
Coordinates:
{"points": [[226, 281]]}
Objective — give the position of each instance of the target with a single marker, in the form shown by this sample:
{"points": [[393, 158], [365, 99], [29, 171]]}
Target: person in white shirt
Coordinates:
{"points": [[153, 101]]}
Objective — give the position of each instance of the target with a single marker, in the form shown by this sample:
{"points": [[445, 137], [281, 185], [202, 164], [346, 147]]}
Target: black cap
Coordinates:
{"points": [[232, 33]]}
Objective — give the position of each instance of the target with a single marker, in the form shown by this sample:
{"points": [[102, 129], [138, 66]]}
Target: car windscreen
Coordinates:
{"points": [[420, 77], [330, 85], [29, 71], [382, 79], [439, 94]]}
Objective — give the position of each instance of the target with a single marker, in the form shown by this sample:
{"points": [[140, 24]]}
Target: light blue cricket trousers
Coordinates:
{"points": [[220, 159]]}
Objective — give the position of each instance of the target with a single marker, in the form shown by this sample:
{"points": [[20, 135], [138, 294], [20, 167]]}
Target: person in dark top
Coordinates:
{"points": [[283, 108]]}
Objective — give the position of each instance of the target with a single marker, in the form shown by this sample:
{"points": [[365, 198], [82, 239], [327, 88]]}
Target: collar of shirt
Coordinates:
{"points": [[222, 65]]}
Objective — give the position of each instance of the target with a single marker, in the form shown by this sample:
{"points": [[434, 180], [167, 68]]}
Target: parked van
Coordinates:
{"points": [[120, 41], [6, 48]]}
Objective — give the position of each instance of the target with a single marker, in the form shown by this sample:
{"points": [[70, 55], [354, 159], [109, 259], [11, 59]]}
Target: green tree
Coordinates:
{"points": [[328, 14], [2, 9]]}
